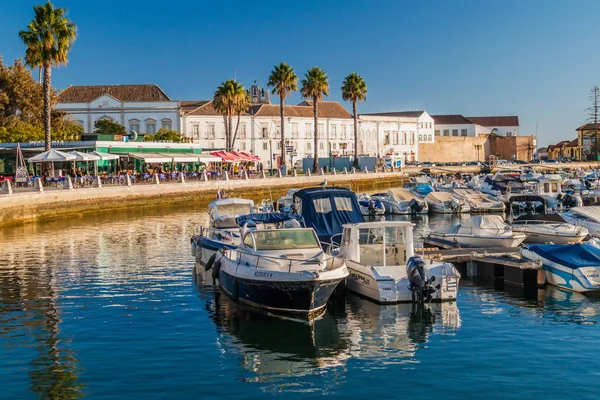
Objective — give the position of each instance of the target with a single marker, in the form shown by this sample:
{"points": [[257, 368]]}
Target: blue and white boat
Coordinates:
{"points": [[223, 230], [283, 270], [574, 267]]}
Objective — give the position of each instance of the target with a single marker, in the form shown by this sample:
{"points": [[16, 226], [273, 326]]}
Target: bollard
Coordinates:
{"points": [[541, 277], [353, 170], [127, 180], [321, 173], [204, 178], [225, 176], [68, 183], [294, 173], [6, 187], [333, 171], [37, 185], [262, 174], [279, 173], [155, 179], [308, 173], [392, 167], [245, 174], [97, 182], [366, 170], [180, 178], [345, 171]]}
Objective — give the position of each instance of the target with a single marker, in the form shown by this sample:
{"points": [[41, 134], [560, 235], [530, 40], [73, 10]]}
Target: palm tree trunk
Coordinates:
{"points": [[230, 125], [316, 140], [281, 108], [237, 125], [47, 106], [355, 133]]}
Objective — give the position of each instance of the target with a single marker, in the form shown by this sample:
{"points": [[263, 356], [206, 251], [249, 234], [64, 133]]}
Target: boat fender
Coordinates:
{"points": [[193, 249], [216, 269], [210, 262]]}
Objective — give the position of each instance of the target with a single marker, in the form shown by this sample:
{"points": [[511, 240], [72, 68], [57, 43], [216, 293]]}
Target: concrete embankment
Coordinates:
{"points": [[23, 207]]}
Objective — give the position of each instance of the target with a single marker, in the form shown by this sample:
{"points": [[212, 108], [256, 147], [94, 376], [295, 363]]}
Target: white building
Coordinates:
{"points": [[457, 125], [259, 129], [142, 108]]}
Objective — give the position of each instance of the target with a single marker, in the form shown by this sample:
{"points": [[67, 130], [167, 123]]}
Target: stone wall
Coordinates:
{"points": [[465, 149]]}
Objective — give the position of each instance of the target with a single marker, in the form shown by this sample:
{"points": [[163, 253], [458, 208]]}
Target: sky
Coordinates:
{"points": [[533, 58]]}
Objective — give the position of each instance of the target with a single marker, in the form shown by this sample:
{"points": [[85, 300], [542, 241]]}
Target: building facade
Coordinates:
{"points": [[140, 108], [457, 125]]}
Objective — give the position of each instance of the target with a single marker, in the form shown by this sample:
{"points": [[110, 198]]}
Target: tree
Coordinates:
{"points": [[48, 38], [21, 97], [314, 86], [591, 136], [165, 134], [284, 80], [354, 89], [231, 99], [109, 127]]}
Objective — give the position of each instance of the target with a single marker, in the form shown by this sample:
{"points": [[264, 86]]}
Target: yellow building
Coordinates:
{"points": [[588, 137]]}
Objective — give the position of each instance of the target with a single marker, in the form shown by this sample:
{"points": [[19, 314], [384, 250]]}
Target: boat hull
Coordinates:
{"points": [[277, 291], [444, 209], [480, 241], [556, 238], [363, 281], [206, 247]]}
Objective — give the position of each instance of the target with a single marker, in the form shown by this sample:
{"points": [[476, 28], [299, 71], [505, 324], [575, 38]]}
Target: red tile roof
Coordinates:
{"points": [[198, 107], [130, 93], [455, 119], [509, 120], [327, 109], [589, 127], [559, 144]]}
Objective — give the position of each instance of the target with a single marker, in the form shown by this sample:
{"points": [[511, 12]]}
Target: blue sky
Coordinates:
{"points": [[532, 58]]}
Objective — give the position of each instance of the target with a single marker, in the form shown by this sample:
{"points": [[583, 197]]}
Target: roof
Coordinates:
{"points": [[327, 109], [508, 120], [414, 114], [454, 119], [198, 107], [589, 127], [574, 142], [190, 105], [85, 94], [559, 144]]}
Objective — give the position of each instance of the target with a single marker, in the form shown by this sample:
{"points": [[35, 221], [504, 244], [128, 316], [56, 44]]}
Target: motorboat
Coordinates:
{"points": [[588, 216], [549, 228], [401, 201], [504, 183], [283, 270], [574, 267], [223, 229], [326, 210], [370, 206], [480, 231], [479, 202], [446, 203], [284, 204], [382, 265], [421, 189]]}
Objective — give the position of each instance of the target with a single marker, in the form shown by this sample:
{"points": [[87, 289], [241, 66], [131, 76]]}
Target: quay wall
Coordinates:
{"points": [[478, 148], [23, 207]]}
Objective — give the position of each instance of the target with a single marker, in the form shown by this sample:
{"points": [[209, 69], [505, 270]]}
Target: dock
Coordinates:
{"points": [[498, 263]]}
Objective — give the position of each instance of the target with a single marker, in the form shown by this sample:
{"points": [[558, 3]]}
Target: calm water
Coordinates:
{"points": [[107, 307]]}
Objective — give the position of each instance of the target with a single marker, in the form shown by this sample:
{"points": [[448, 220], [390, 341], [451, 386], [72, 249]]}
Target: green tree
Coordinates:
{"points": [[165, 134], [108, 127], [284, 80], [315, 85], [231, 99], [21, 98], [354, 89], [48, 38]]}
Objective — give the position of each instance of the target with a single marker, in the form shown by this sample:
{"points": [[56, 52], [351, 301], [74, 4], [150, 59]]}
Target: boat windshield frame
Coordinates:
{"points": [[308, 239]]}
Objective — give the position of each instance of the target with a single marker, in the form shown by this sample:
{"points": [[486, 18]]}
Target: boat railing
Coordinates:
{"points": [[220, 234]]}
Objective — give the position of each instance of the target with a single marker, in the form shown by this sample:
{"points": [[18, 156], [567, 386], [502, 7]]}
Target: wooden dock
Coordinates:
{"points": [[496, 263]]}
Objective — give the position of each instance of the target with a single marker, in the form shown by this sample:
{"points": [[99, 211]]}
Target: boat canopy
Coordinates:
{"points": [[269, 218], [569, 255], [402, 194], [481, 224], [591, 212], [326, 210], [440, 196], [526, 198], [541, 217]]}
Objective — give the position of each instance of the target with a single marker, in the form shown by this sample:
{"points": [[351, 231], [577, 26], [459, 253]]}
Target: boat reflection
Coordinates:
{"points": [[563, 306]]}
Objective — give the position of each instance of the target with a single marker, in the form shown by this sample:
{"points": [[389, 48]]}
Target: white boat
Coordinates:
{"points": [[380, 260], [479, 202], [401, 201], [549, 228], [446, 203], [284, 204], [370, 205], [223, 229], [588, 216], [481, 231], [282, 270], [574, 267]]}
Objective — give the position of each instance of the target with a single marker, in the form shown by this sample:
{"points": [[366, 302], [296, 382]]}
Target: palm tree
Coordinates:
{"points": [[48, 38], [231, 99], [354, 89], [315, 85], [284, 80]]}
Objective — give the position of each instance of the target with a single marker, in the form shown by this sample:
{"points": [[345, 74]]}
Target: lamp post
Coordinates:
{"points": [[270, 157], [478, 147], [330, 157]]}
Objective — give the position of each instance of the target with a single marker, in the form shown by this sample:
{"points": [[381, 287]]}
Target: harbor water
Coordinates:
{"points": [[108, 307]]}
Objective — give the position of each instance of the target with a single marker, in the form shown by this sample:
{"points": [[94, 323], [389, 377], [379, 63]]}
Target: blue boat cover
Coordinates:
{"points": [[569, 255], [424, 189], [326, 210], [269, 218]]}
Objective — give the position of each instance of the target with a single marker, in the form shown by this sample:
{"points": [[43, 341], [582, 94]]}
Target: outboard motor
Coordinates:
{"points": [[456, 205], [415, 206], [374, 206], [419, 284]]}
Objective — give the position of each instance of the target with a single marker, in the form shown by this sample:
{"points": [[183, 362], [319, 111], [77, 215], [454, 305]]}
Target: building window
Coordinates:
{"points": [[463, 132], [210, 133], [196, 131], [412, 138], [265, 146], [134, 125], [243, 146], [321, 131], [295, 131], [278, 145], [430, 138], [150, 128], [309, 131], [437, 132], [334, 146], [308, 146], [333, 131], [321, 146], [343, 131], [243, 131], [211, 145], [446, 132], [420, 138], [265, 132], [454, 132], [387, 138], [167, 124]]}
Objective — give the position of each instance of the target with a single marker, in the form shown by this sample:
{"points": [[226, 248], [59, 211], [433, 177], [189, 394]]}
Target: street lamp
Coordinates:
{"points": [[270, 157]]}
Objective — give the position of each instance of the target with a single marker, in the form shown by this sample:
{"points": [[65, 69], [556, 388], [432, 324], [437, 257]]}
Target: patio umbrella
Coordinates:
{"points": [[80, 156], [105, 156], [51, 156]]}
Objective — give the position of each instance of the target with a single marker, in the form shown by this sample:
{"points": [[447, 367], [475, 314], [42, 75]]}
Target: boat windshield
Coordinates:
{"points": [[285, 239], [393, 235], [233, 209], [372, 251]]}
